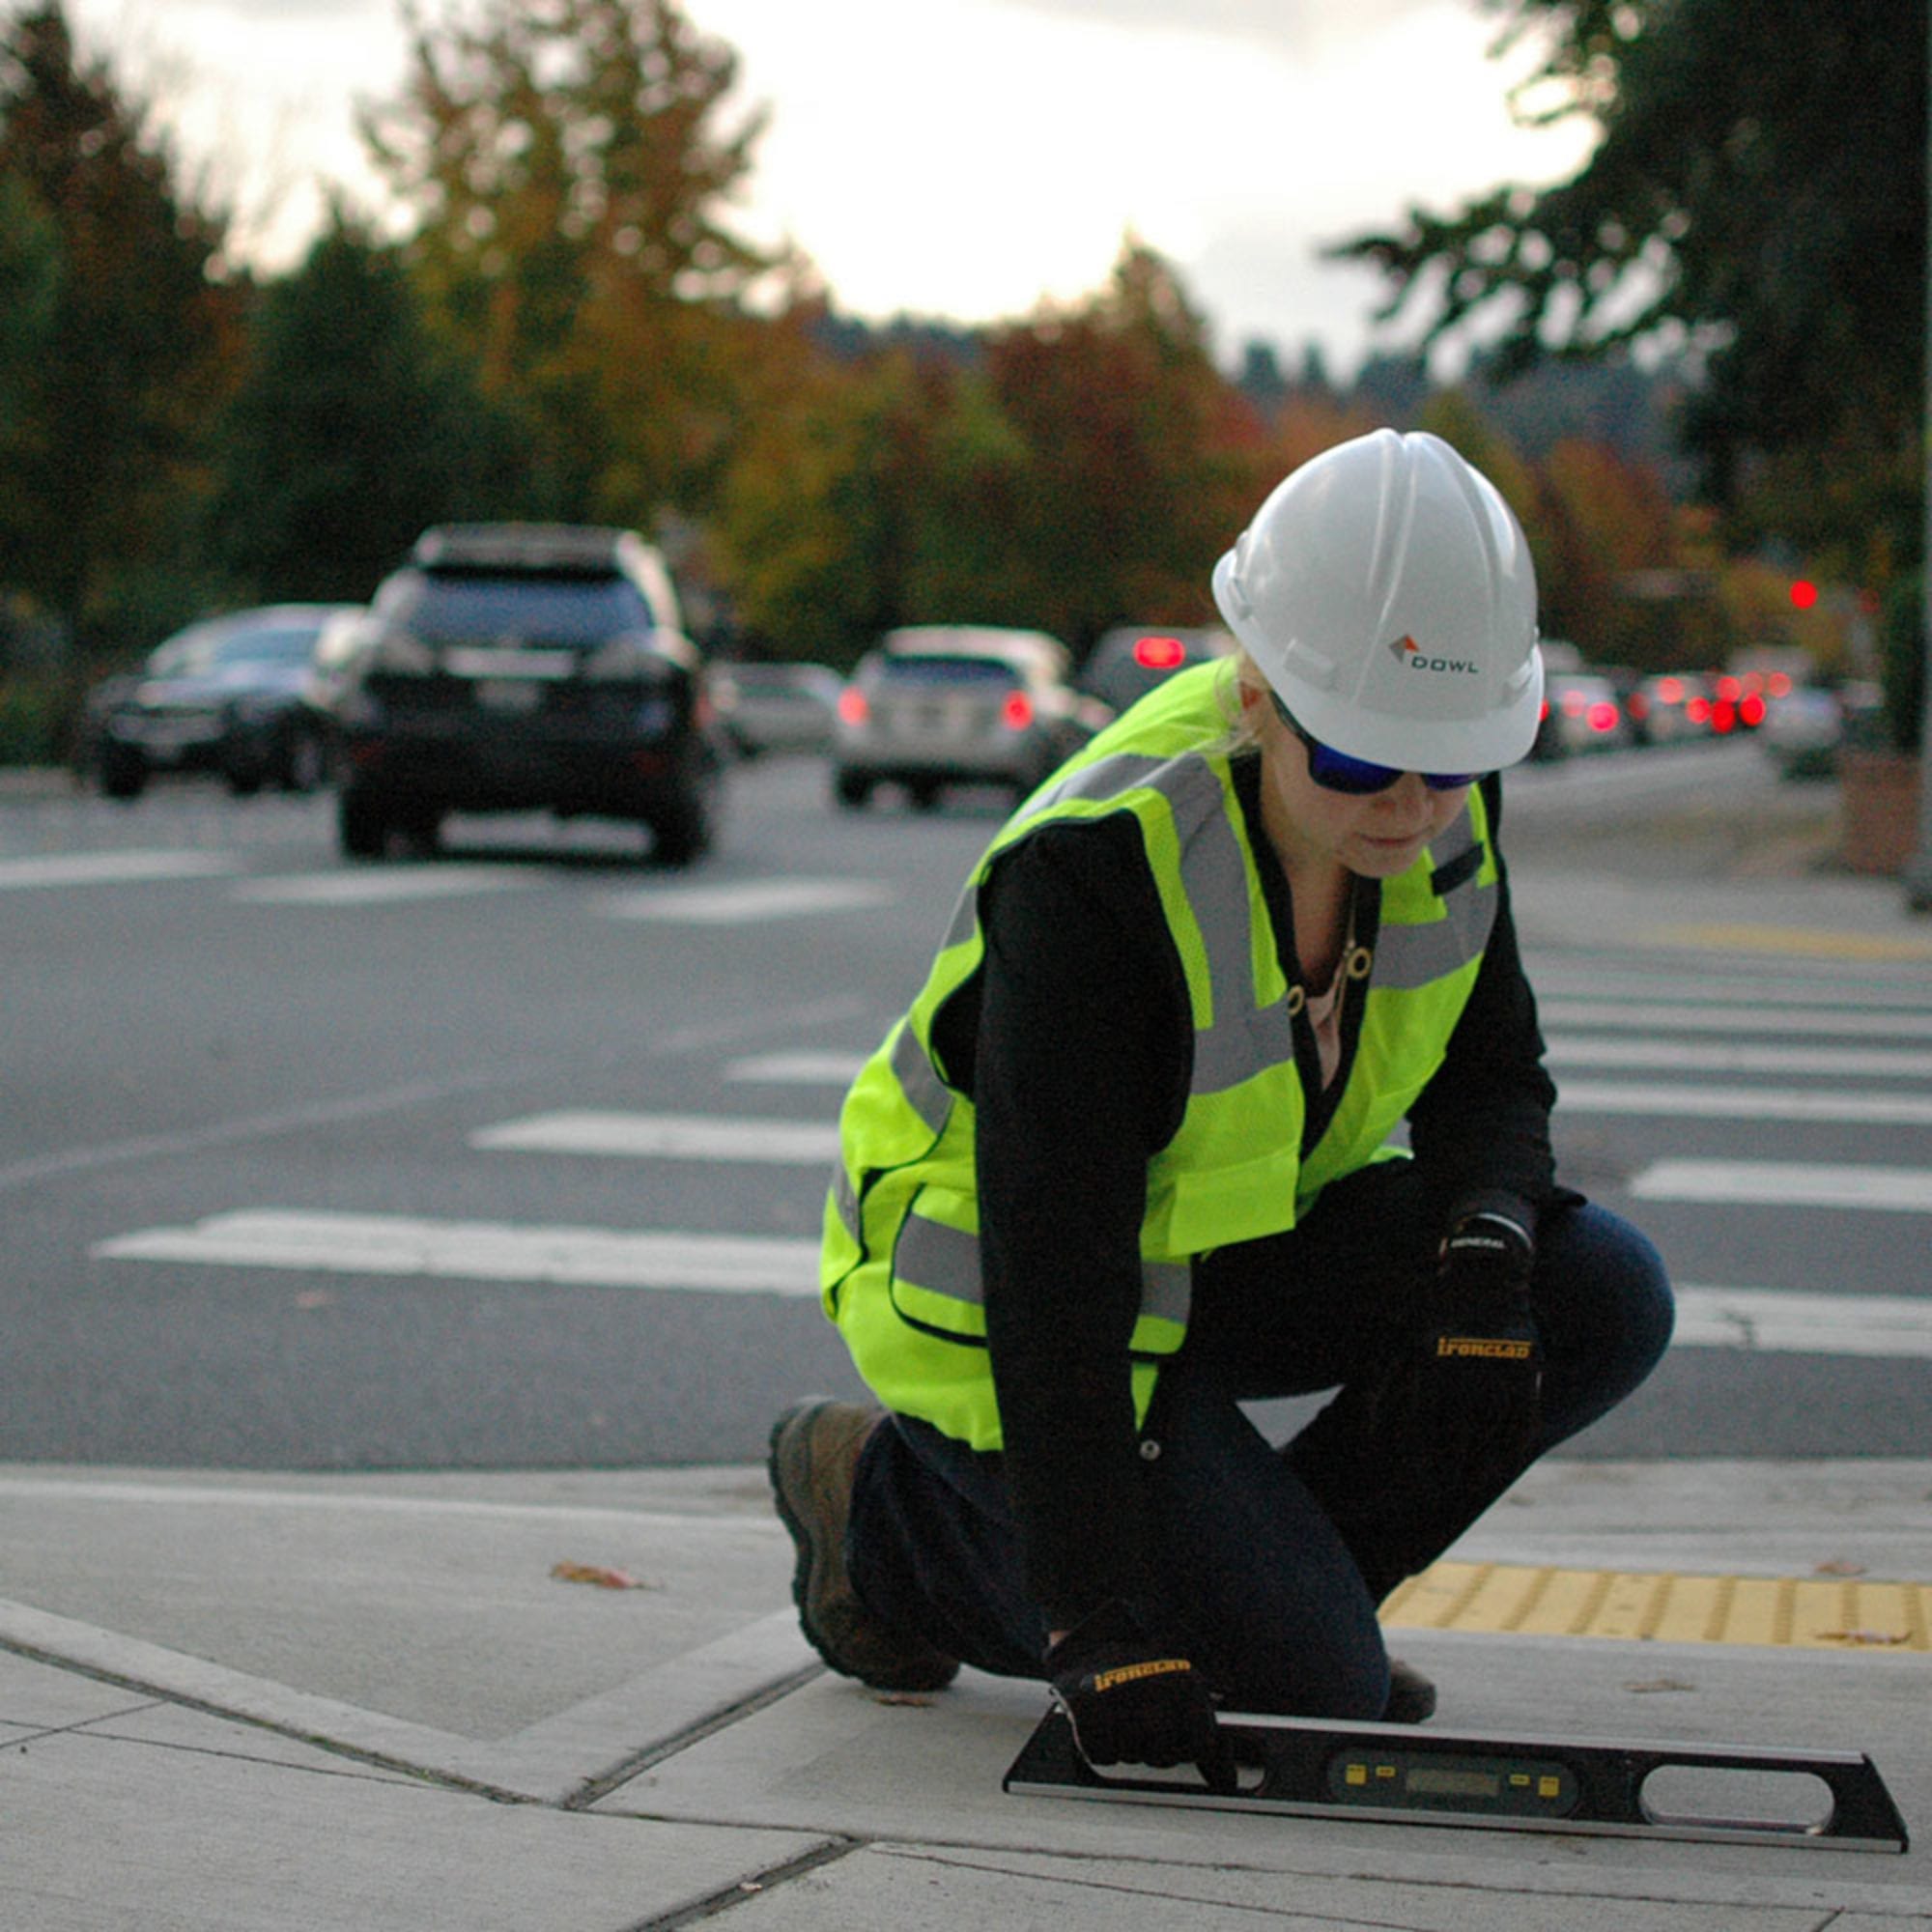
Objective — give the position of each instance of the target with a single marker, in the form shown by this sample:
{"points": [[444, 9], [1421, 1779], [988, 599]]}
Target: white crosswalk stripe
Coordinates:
{"points": [[754, 901], [1743, 1104], [1785, 1321], [665, 1137], [1702, 1056], [113, 869], [1775, 1183], [394, 1244], [388, 885]]}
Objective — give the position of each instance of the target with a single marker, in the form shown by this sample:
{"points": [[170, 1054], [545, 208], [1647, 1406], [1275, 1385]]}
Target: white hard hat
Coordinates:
{"points": [[1386, 593]]}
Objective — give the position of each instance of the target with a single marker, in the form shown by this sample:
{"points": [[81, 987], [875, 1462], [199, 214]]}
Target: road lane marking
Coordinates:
{"points": [[1737, 1318], [1763, 1018], [394, 1244], [113, 869], [1820, 942], [1743, 1104], [1790, 1323], [1730, 1055], [745, 905], [798, 1069], [1778, 1184], [665, 1136], [384, 886]]}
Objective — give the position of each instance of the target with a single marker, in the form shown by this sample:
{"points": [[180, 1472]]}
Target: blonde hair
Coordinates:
{"points": [[1237, 674]]}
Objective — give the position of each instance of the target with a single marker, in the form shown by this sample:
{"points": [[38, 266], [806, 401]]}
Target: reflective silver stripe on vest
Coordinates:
{"points": [[1242, 1039], [947, 1261], [845, 1199], [1412, 956], [922, 1087]]}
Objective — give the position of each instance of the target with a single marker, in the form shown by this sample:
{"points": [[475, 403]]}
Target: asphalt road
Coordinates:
{"points": [[516, 1158]]}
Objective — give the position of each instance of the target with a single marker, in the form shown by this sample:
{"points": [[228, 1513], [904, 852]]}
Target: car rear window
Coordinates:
{"points": [[468, 606], [946, 671]]}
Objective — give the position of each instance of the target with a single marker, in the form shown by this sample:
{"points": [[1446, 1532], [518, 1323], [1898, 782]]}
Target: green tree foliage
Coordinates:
{"points": [[30, 275], [351, 429], [1759, 193], [131, 340], [566, 177]]}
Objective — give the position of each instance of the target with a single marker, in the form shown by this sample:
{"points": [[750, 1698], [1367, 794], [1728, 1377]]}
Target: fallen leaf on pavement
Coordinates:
{"points": [[1864, 1636], [1839, 1566], [595, 1573]]}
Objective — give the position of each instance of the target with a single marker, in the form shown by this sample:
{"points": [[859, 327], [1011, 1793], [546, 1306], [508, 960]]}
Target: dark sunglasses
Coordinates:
{"points": [[1337, 771]]}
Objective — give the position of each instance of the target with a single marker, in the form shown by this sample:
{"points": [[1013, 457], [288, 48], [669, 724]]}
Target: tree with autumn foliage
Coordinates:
{"points": [[1141, 456], [567, 176]]}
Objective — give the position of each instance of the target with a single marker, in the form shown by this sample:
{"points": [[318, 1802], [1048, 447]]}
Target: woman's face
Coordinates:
{"points": [[1376, 836]]}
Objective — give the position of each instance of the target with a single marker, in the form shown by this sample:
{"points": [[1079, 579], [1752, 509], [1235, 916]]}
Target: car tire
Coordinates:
{"points": [[361, 825], [124, 771], [245, 781], [685, 832], [850, 790], [304, 763]]}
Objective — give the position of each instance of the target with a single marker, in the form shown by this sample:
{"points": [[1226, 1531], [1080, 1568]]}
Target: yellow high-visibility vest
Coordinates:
{"points": [[900, 1262]]}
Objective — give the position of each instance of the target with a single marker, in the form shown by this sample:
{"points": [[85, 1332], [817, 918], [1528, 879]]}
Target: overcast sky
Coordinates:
{"points": [[957, 157]]}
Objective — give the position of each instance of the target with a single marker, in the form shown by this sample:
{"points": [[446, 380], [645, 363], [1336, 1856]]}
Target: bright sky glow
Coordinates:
{"points": [[955, 157]]}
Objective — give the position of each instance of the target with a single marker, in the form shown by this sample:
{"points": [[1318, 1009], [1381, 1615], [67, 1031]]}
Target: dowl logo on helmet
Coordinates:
{"points": [[1385, 592], [1409, 655]]}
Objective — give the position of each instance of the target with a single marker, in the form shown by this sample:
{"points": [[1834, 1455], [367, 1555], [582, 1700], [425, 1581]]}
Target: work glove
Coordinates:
{"points": [[1132, 1700], [1477, 1375]]}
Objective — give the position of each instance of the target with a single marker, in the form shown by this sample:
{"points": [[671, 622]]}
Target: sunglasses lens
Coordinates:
{"points": [[1336, 771]]}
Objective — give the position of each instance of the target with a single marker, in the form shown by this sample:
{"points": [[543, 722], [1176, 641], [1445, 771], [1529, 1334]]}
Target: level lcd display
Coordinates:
{"points": [[1533, 1787]]}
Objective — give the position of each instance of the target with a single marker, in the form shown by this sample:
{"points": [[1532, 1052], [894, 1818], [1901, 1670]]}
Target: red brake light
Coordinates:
{"points": [[1670, 691], [1603, 716], [1724, 715], [1729, 690], [1016, 713], [1698, 711], [1160, 653], [852, 705], [1780, 684], [1751, 713]]}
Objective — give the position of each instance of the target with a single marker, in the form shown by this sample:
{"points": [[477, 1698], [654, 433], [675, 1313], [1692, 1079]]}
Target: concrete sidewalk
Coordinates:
{"points": [[367, 1702]]}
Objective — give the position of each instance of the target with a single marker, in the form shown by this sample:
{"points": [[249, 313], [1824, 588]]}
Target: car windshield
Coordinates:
{"points": [[203, 649], [458, 607], [948, 670]]}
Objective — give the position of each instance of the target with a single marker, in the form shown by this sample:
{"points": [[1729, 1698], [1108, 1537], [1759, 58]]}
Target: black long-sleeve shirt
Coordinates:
{"points": [[1074, 1041]]}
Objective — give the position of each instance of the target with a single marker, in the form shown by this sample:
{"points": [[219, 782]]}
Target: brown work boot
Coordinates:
{"points": [[815, 1450]]}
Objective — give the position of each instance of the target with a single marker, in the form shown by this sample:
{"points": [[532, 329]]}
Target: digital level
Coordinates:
{"points": [[1727, 1793]]}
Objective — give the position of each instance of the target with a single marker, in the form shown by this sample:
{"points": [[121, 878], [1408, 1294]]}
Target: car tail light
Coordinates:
{"points": [[1751, 713], [1603, 716], [1016, 713], [1724, 715], [1729, 691], [1698, 711], [852, 705], [1670, 691], [1572, 703], [1160, 653]]}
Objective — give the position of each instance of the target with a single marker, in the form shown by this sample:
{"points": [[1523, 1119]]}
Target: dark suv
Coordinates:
{"points": [[518, 667]]}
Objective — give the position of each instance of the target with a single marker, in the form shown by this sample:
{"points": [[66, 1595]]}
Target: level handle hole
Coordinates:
{"points": [[1713, 1796]]}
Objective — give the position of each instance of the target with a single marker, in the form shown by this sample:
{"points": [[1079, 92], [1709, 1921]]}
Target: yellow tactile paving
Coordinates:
{"points": [[1666, 1606]]}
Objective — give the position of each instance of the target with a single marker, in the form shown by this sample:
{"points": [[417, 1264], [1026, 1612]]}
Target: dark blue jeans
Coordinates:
{"points": [[1273, 1588]]}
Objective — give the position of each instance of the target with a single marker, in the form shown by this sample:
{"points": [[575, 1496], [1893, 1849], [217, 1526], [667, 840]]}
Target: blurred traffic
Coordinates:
{"points": [[519, 668]]}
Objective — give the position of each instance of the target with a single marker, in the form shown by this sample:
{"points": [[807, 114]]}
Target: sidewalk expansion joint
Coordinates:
{"points": [[594, 1790], [748, 1889], [447, 1780]]}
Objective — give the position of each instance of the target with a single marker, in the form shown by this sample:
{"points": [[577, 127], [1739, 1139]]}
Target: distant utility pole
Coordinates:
{"points": [[1918, 867]]}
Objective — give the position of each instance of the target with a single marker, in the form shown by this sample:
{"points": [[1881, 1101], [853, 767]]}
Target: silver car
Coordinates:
{"points": [[942, 705]]}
